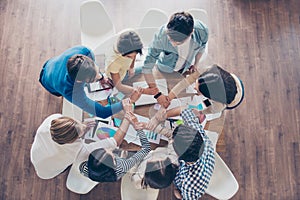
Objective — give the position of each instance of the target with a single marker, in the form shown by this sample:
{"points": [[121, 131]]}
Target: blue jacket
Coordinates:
{"points": [[165, 55], [56, 80]]}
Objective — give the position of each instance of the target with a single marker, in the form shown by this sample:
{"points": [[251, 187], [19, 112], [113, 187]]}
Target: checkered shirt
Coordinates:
{"points": [[192, 180]]}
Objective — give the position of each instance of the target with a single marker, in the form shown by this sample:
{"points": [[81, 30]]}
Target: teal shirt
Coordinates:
{"points": [[165, 55]]}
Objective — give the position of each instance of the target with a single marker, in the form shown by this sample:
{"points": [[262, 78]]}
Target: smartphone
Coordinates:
{"points": [[207, 102]]}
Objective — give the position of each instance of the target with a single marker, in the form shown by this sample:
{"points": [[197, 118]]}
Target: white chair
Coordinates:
{"points": [[200, 14], [129, 192], [96, 25], [150, 23], [223, 184], [71, 110]]}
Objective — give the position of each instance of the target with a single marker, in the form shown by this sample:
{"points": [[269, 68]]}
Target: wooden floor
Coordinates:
{"points": [[257, 40]]}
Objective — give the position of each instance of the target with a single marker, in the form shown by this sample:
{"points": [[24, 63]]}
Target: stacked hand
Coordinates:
{"points": [[127, 105], [136, 94], [159, 117], [164, 101], [150, 90], [134, 121]]}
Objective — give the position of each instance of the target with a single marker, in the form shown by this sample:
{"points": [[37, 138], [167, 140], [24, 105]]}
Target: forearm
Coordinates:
{"points": [[198, 57], [175, 111], [121, 132], [150, 80], [183, 84], [125, 165], [126, 89]]}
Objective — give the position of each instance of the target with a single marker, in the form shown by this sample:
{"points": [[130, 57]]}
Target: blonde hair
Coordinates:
{"points": [[64, 130]]}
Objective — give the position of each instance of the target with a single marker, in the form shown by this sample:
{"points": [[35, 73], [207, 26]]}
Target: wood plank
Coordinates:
{"points": [[257, 40]]}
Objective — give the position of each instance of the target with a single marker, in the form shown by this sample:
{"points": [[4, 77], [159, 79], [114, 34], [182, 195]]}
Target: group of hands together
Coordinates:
{"points": [[159, 117]]}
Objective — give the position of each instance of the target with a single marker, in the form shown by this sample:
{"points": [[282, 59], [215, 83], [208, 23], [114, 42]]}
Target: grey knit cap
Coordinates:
{"points": [[129, 41]]}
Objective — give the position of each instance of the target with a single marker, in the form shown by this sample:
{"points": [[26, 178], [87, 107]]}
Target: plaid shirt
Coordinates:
{"points": [[192, 180]]}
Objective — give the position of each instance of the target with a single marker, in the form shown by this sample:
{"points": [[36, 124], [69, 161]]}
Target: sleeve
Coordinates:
{"points": [[191, 120], [153, 53], [114, 67], [79, 98], [202, 33], [124, 165]]}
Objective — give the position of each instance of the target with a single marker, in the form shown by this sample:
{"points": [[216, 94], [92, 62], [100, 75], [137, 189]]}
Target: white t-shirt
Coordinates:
{"points": [[48, 157], [183, 51]]}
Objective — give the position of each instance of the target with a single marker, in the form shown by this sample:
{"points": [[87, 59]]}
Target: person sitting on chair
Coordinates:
{"points": [[196, 157], [223, 90], [174, 47], [67, 74], [103, 166], [157, 170], [120, 63], [56, 144]]}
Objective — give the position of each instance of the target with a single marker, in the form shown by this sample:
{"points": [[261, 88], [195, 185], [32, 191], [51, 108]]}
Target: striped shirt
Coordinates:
{"points": [[192, 180], [123, 165]]}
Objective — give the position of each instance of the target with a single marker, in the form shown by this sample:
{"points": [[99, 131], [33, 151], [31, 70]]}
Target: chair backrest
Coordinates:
{"points": [[94, 19], [200, 14], [129, 192], [223, 184], [154, 17], [150, 23], [96, 25]]}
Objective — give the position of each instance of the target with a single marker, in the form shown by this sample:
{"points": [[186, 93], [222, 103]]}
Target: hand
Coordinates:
{"points": [[89, 125], [150, 91], [163, 101], [192, 69], [159, 117], [131, 72], [127, 105], [201, 117], [177, 194], [136, 94], [105, 81], [139, 126]]}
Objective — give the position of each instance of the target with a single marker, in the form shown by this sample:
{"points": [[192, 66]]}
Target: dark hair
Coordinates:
{"points": [[180, 26], [101, 166], [159, 174], [129, 42], [187, 143], [218, 85], [81, 68]]}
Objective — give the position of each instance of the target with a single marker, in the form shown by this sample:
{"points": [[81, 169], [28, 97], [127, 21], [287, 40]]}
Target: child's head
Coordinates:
{"points": [[129, 42], [101, 166], [180, 26], [187, 143], [159, 173], [66, 130], [82, 68], [218, 85]]}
